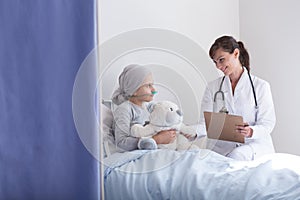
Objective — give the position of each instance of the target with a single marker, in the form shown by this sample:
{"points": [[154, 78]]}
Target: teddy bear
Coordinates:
{"points": [[164, 115]]}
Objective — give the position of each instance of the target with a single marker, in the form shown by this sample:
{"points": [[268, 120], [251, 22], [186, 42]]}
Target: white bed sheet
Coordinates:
{"points": [[200, 174]]}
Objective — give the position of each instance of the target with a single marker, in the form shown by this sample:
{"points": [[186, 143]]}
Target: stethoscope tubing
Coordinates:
{"points": [[223, 96]]}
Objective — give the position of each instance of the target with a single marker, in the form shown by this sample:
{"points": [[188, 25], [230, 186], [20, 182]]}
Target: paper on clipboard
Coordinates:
{"points": [[221, 126]]}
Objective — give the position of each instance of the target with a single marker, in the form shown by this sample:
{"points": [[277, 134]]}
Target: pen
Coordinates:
{"points": [[244, 125]]}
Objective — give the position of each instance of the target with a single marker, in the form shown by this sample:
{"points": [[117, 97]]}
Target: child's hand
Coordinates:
{"points": [[165, 137]]}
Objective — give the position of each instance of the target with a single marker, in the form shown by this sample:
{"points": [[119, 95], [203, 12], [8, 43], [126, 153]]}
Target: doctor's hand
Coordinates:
{"points": [[245, 130], [165, 137]]}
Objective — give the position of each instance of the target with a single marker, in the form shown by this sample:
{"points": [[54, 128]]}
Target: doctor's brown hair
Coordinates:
{"points": [[229, 44]]}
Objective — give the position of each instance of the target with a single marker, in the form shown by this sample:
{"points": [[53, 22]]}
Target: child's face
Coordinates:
{"points": [[144, 93]]}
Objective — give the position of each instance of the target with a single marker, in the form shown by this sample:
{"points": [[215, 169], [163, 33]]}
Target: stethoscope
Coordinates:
{"points": [[224, 109]]}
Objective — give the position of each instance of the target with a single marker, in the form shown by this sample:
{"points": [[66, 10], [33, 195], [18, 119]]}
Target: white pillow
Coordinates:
{"points": [[107, 131]]}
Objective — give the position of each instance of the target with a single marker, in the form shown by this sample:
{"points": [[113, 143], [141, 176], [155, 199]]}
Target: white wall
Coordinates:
{"points": [[271, 31], [201, 20], [198, 20]]}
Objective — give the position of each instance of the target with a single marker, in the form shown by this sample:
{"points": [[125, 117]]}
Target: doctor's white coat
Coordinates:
{"points": [[261, 120]]}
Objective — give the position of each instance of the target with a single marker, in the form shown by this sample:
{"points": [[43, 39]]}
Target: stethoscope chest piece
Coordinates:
{"points": [[224, 109]]}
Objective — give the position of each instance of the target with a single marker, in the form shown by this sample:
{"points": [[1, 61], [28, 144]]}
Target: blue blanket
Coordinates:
{"points": [[200, 174]]}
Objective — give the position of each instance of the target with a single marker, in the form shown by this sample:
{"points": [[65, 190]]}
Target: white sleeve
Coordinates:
{"points": [[265, 119], [206, 105], [123, 118]]}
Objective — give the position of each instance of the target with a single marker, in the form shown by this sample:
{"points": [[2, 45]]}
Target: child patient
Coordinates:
{"points": [[133, 95]]}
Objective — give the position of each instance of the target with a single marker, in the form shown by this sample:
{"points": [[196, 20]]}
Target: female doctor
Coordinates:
{"points": [[240, 93]]}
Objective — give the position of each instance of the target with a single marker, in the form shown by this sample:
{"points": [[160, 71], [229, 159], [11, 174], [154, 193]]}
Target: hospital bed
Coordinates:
{"points": [[195, 174]]}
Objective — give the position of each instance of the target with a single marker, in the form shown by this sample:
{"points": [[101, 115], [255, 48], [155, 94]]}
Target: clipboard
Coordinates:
{"points": [[221, 126]]}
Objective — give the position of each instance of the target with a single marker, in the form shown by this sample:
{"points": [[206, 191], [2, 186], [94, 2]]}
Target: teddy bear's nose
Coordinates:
{"points": [[179, 112]]}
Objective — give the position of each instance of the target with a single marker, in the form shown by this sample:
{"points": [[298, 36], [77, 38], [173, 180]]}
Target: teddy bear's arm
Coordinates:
{"points": [[138, 130], [188, 131]]}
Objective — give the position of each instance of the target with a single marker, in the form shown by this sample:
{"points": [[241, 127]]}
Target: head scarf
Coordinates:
{"points": [[130, 80]]}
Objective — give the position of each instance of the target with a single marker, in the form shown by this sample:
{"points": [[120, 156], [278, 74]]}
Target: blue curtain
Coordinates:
{"points": [[42, 44]]}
